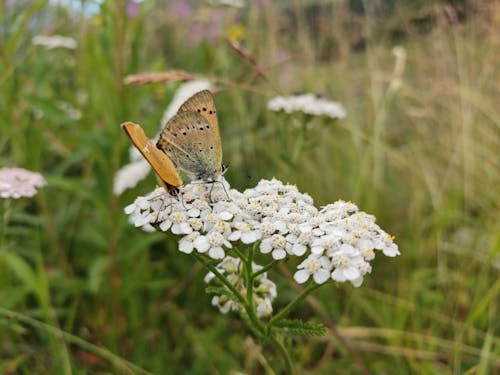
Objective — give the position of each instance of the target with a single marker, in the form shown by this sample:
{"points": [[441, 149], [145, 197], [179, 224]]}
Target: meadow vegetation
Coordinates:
{"points": [[83, 291]]}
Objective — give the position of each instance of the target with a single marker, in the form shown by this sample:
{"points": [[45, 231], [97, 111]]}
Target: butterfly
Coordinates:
{"points": [[191, 138], [158, 160]]}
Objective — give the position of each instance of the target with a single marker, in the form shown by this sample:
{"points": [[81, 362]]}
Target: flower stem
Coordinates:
{"points": [[284, 353], [248, 278], [250, 308], [256, 324], [5, 220], [266, 268], [286, 310], [220, 276], [240, 254]]}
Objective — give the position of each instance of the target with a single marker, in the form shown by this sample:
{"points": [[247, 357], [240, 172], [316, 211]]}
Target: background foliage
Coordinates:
{"points": [[82, 291]]}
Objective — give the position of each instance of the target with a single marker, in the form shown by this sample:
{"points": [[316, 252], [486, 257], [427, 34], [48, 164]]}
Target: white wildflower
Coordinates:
{"points": [[244, 232], [338, 241], [130, 175], [228, 3], [310, 104], [264, 307], [68, 108], [54, 41], [19, 182], [347, 261], [274, 245], [187, 243], [317, 266]]}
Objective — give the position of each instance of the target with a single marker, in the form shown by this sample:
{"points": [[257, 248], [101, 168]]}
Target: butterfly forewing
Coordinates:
{"points": [[159, 161], [203, 103]]}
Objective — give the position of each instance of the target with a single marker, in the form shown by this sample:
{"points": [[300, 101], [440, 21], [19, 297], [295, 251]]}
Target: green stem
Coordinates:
{"points": [[290, 370], [248, 278], [286, 310], [5, 220], [299, 143], [266, 268], [240, 254], [220, 276], [257, 325]]}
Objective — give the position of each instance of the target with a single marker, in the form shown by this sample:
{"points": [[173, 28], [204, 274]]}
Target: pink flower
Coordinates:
{"points": [[18, 182], [181, 10]]}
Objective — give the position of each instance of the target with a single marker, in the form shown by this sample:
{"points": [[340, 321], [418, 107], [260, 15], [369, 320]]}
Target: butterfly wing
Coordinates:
{"points": [[160, 163], [192, 144], [192, 138], [203, 103]]}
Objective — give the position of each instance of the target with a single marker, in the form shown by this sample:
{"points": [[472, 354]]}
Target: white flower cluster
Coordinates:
{"points": [[19, 182], [264, 290], [339, 240], [344, 242], [227, 3], [54, 41], [310, 104]]}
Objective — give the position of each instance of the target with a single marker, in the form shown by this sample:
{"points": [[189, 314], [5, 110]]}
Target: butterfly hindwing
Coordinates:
{"points": [[188, 141]]}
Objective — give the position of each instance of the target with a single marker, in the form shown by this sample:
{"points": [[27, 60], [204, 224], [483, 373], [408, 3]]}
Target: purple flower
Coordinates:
{"points": [[181, 10], [132, 9]]}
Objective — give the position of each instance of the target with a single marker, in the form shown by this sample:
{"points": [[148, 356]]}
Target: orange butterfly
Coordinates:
{"points": [[158, 160]]}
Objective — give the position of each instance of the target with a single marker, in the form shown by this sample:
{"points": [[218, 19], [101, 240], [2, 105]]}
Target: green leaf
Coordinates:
{"points": [[97, 273], [219, 290], [22, 270], [298, 327]]}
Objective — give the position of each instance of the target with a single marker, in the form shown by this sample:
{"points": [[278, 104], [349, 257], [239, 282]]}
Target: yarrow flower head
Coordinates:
{"points": [[338, 241], [310, 104], [54, 41], [18, 182]]}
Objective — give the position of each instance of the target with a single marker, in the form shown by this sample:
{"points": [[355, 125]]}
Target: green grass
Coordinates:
{"points": [[83, 291]]}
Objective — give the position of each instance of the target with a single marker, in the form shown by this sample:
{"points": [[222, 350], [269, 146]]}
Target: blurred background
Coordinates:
{"points": [[83, 291]]}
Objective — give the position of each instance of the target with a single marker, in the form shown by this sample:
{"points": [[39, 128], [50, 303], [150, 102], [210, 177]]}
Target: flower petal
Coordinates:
{"points": [[201, 244], [185, 246], [279, 254], [321, 275], [216, 252], [301, 276]]}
